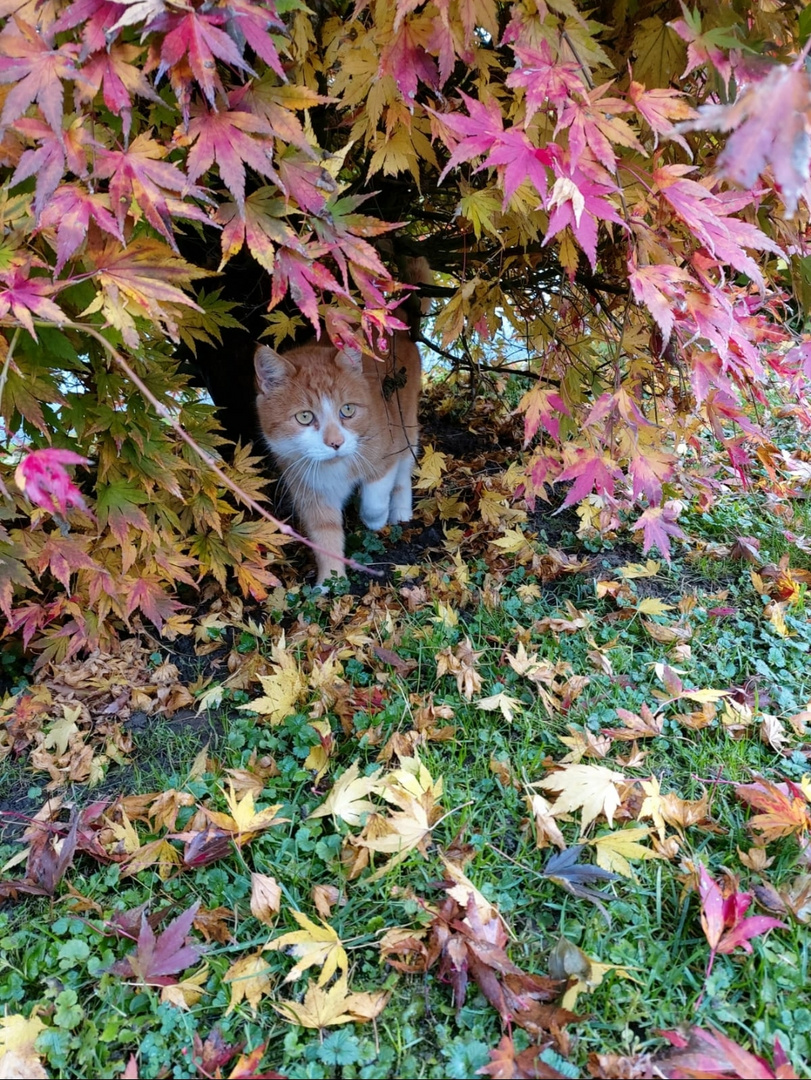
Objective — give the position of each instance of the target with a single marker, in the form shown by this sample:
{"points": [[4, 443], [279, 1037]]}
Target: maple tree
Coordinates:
{"points": [[621, 199]]}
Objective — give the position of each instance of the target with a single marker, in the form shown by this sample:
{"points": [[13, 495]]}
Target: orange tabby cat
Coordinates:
{"points": [[335, 420]]}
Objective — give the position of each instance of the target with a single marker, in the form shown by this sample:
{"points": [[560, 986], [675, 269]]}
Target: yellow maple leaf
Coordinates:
{"points": [[348, 798], [613, 850], [503, 702], [638, 570], [326, 1008], [312, 945], [283, 688], [652, 805], [17, 1054], [512, 542], [651, 605], [429, 472], [185, 994], [250, 981], [592, 789], [244, 820]]}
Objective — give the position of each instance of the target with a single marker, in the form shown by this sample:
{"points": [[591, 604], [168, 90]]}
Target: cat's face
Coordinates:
{"points": [[312, 405]]}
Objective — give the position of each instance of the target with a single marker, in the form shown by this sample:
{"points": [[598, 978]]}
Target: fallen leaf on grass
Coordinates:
{"points": [[250, 981], [157, 959], [508, 1063], [568, 961], [723, 918], [326, 1008], [187, 992], [18, 1058], [348, 798], [244, 821], [502, 702], [644, 726], [592, 789], [266, 898], [312, 945], [574, 877], [784, 808], [711, 1055], [613, 850]]}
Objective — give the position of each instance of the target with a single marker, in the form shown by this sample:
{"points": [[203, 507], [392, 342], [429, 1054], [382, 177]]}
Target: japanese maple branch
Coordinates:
{"points": [[162, 411]]}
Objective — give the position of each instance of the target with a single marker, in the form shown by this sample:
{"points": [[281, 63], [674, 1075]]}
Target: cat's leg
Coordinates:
{"points": [[401, 506], [324, 525], [375, 497]]}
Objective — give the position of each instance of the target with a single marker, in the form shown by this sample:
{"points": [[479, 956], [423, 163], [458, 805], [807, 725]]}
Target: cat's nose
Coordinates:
{"points": [[334, 439]]}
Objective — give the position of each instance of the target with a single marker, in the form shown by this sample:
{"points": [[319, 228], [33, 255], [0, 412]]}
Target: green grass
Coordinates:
{"points": [[57, 959]]}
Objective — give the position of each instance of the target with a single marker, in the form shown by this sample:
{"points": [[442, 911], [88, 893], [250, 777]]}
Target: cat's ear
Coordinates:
{"points": [[350, 359], [271, 368]]}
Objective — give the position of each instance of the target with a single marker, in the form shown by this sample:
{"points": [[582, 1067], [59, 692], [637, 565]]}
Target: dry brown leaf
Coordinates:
{"points": [[266, 898], [324, 898]]}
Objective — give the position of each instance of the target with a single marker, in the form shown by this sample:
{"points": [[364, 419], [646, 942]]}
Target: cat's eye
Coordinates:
{"points": [[305, 417], [347, 410]]}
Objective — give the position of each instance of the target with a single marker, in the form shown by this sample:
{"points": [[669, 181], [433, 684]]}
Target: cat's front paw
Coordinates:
{"points": [[375, 523]]}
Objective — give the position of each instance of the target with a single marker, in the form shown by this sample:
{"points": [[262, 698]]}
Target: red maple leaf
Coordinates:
{"points": [[302, 274], [29, 60], [149, 595], [227, 138], [157, 959], [251, 21], [723, 921], [590, 472], [195, 38], [70, 212], [118, 78], [141, 180], [712, 1055]]}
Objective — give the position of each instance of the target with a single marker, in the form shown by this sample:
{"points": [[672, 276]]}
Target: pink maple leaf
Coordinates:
{"points": [[405, 59], [70, 212], [580, 200], [472, 135], [113, 72], [41, 476], [768, 125], [25, 296], [590, 472], [252, 21], [591, 121], [196, 37], [46, 161], [139, 175], [545, 80], [98, 16], [29, 60], [227, 137], [661, 289], [302, 274], [658, 525]]}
